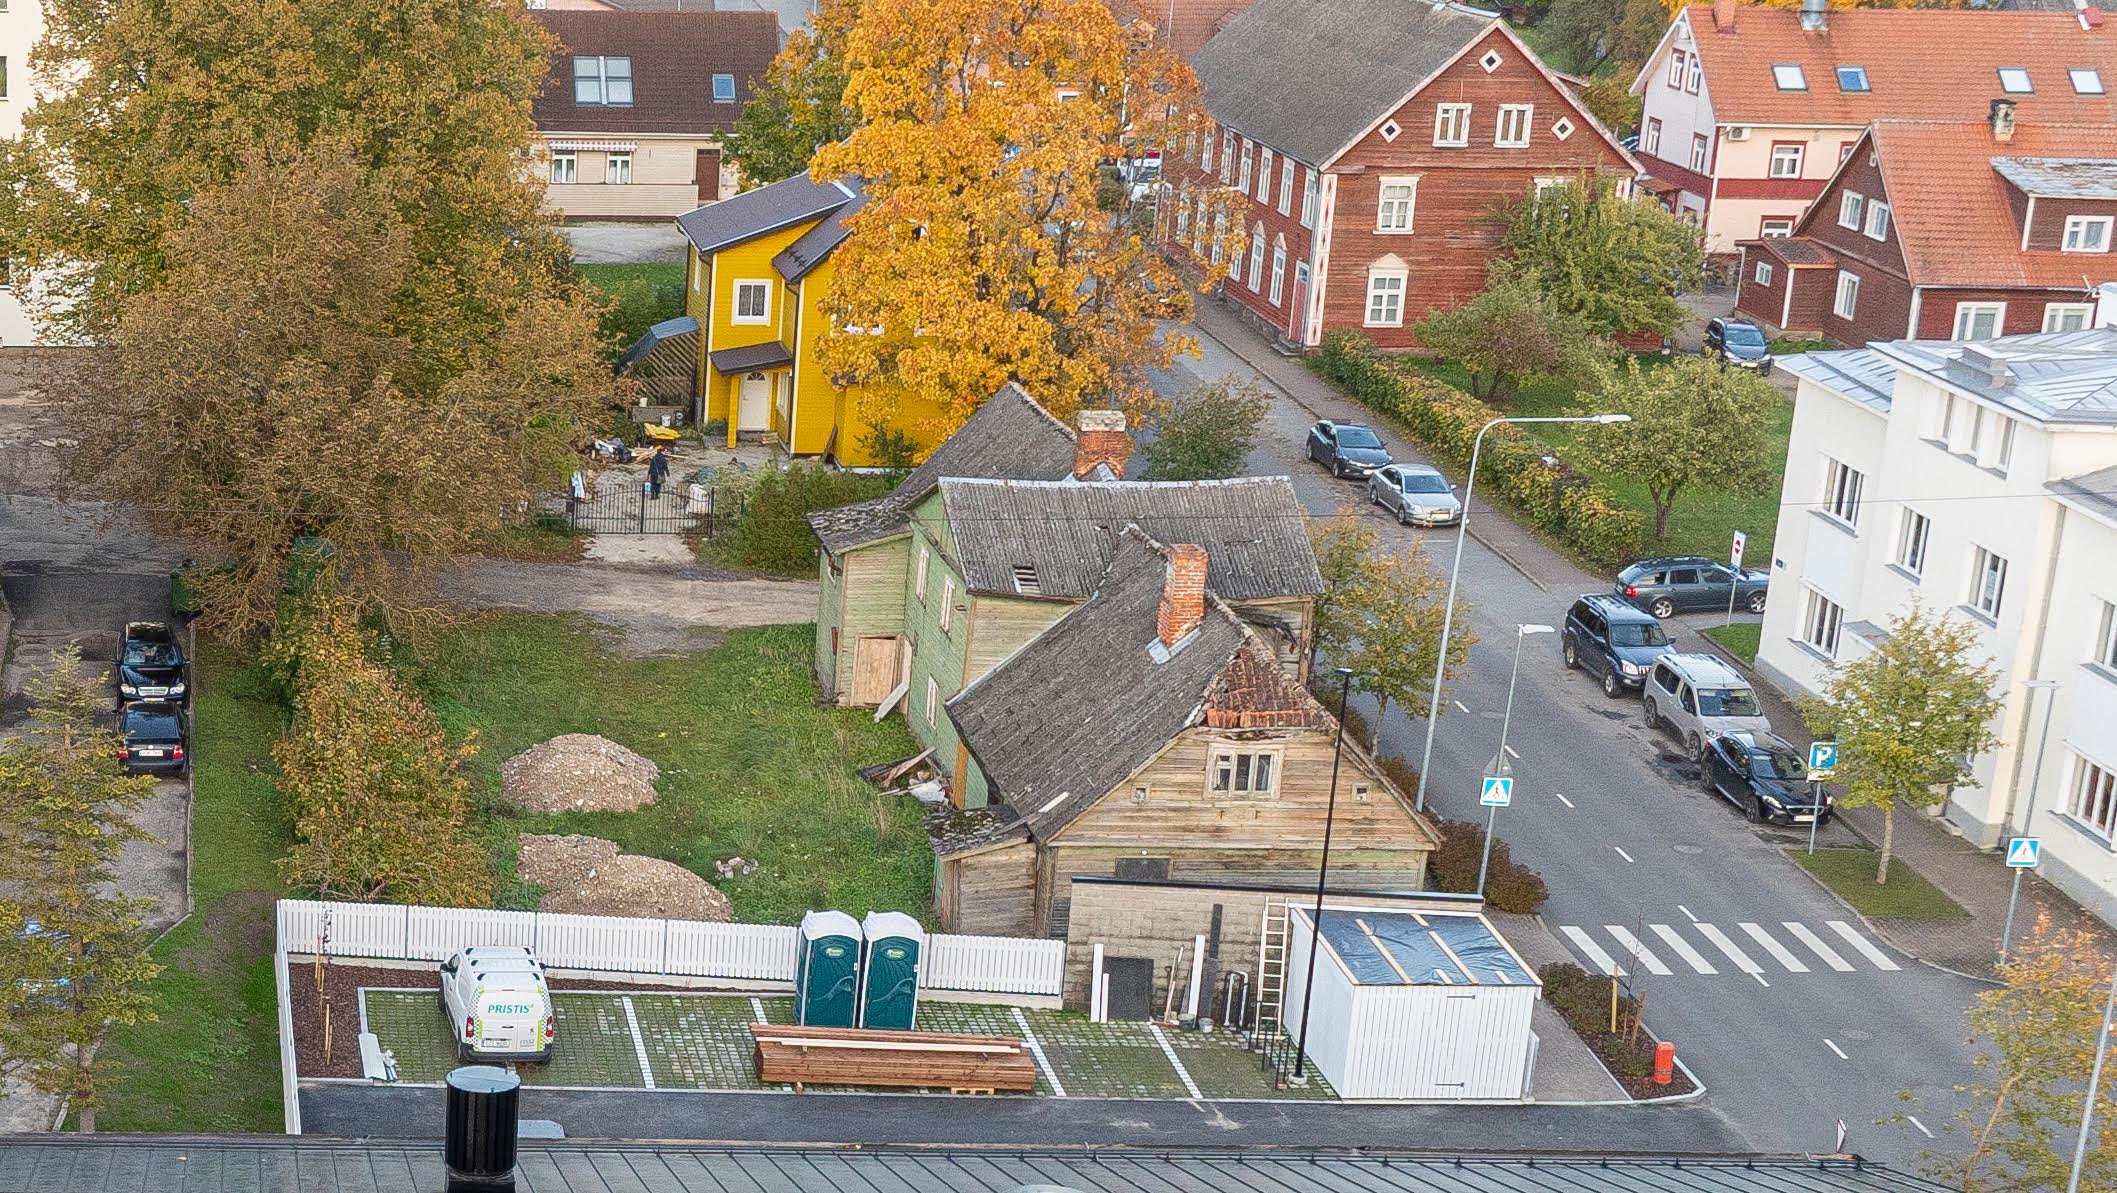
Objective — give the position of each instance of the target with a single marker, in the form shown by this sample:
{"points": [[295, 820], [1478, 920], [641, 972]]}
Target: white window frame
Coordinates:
{"points": [[918, 579], [1523, 116], [1264, 174], [1311, 188], [1788, 76], [1650, 137], [933, 702], [1988, 582], [1231, 772], [1787, 222], [1852, 210], [1451, 126], [1762, 275], [1183, 215], [1858, 71], [1234, 259], [1914, 533], [1694, 75], [2106, 637], [1845, 303], [2003, 455], [2014, 80], [1821, 623], [2078, 230], [602, 79], [948, 601], [1877, 223], [2086, 80], [1394, 216], [1793, 165], [1968, 313], [1227, 154], [735, 304], [2057, 314], [1243, 167], [1278, 269], [1701, 153], [1675, 79], [1256, 258], [565, 167], [1205, 154], [1391, 313], [617, 169], [719, 79], [1842, 487], [2091, 798], [1286, 185]]}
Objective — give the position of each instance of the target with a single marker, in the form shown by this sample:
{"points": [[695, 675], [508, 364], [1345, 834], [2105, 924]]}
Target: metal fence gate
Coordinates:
{"points": [[678, 509]]}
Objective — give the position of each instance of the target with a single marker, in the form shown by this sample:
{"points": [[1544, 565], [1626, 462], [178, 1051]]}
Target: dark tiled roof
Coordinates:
{"points": [[753, 213], [1798, 251], [1372, 52], [1253, 529], [674, 58], [769, 355], [1010, 436], [809, 250]]}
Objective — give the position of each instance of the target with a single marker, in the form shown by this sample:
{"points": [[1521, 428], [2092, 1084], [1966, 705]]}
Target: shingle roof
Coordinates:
{"points": [[810, 248], [1921, 64], [1089, 700], [1254, 531], [2061, 177], [1950, 204], [1372, 53], [674, 58], [771, 354], [2095, 492], [1010, 436], [753, 213], [1797, 251]]}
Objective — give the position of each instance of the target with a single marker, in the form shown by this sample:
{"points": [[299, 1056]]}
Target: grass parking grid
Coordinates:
{"points": [[595, 1043], [703, 1041]]}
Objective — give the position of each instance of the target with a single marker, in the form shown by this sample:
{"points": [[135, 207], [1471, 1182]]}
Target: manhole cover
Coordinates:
{"points": [[1688, 850]]}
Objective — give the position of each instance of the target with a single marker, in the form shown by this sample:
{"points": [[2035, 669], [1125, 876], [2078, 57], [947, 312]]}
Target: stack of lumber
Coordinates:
{"points": [[801, 1056]]}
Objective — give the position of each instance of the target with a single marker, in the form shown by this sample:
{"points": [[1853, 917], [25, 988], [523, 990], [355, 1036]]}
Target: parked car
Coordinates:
{"points": [[1699, 697], [1416, 494], [497, 1004], [1765, 776], [1668, 586], [1347, 449], [57, 989], [151, 664], [1612, 640], [154, 738], [1740, 343]]}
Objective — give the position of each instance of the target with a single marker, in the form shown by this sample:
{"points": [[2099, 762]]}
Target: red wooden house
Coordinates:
{"points": [[1373, 142]]}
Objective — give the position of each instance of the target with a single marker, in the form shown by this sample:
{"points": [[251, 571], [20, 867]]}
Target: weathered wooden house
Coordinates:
{"points": [[1154, 731]]}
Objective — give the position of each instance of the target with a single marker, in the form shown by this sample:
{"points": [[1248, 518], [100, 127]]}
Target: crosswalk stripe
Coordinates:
{"points": [[1587, 945], [1815, 945], [1881, 959], [1734, 954], [1771, 944], [1638, 949], [1683, 948]]}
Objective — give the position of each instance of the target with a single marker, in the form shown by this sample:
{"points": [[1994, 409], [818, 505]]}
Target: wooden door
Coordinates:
{"points": [[753, 412], [709, 175], [874, 669]]}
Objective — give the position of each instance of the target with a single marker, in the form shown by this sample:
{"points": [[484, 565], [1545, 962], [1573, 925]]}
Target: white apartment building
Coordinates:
{"points": [[21, 24], [1981, 479]]}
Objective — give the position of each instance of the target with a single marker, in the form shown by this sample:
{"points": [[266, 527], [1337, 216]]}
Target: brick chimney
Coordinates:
{"points": [[1183, 597], [1102, 440], [1724, 15], [2003, 120]]}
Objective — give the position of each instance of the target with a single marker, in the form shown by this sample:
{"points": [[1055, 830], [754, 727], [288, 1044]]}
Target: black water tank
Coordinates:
{"points": [[483, 1105]]}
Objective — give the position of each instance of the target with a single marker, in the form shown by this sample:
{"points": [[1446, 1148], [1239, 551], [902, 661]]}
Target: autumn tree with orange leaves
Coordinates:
{"points": [[994, 245]]}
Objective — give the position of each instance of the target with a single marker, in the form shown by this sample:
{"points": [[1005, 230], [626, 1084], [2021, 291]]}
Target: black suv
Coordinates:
{"points": [[1764, 775], [156, 738], [1613, 640], [1347, 449], [151, 664], [1666, 587], [1739, 343]]}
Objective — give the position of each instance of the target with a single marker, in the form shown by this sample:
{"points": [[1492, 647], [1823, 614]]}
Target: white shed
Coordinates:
{"points": [[1413, 1004]]}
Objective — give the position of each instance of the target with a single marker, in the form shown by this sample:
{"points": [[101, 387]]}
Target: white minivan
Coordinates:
{"points": [[497, 1004], [1699, 698]]}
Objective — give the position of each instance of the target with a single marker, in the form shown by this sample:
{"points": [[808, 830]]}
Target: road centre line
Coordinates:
{"points": [[639, 1046], [1638, 949], [1037, 1050], [1881, 960], [1771, 945], [1621, 853], [1913, 1120], [1834, 1048], [1586, 944], [1562, 799], [1815, 945], [1683, 948], [1461, 705], [1511, 753]]}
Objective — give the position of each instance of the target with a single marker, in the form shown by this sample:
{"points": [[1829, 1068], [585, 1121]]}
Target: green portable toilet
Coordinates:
{"points": [[827, 970], [889, 979]]}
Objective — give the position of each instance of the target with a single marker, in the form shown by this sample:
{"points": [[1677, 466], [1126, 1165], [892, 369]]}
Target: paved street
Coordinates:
{"points": [[1791, 1011]]}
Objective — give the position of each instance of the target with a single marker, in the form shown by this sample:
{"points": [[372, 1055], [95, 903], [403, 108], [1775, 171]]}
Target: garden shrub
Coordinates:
{"points": [[1509, 885], [772, 533]]}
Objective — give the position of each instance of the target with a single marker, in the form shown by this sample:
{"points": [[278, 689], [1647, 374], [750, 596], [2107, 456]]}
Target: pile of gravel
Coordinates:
{"points": [[588, 876], [578, 772]]}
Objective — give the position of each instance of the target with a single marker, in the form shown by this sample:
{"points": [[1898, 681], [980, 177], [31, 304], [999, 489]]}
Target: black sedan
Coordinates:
{"points": [[1738, 343], [1763, 775], [156, 738], [151, 664], [1347, 449]]}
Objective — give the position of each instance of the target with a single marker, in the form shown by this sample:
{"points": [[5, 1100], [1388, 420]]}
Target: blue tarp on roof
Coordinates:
{"points": [[1430, 948]]}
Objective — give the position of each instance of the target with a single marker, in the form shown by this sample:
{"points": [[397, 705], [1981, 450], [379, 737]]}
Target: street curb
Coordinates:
{"points": [[1878, 930]]}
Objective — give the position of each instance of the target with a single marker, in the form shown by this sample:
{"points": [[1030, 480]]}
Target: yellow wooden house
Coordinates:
{"points": [[757, 273]]}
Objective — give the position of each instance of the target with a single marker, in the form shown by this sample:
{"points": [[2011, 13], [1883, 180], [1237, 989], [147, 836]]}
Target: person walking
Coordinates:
{"points": [[657, 473]]}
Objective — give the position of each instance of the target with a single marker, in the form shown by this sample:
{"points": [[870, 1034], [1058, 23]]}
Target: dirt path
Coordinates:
{"points": [[647, 609]]}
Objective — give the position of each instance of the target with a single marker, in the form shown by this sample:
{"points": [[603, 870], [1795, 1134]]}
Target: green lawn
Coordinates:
{"points": [[211, 1061], [1740, 638], [750, 764], [608, 278], [1703, 521], [1850, 873]]}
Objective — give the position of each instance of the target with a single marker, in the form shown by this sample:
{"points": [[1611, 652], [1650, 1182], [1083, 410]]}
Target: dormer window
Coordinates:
{"points": [[1852, 78], [2086, 80], [2088, 233], [1790, 77], [602, 82], [2014, 80]]}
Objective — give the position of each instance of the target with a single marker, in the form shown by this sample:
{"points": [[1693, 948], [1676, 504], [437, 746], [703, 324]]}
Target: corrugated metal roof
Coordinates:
{"points": [[280, 1165], [2063, 377], [1862, 374]]}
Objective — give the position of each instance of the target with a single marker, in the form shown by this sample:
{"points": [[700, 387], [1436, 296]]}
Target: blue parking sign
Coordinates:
{"points": [[1822, 758]]}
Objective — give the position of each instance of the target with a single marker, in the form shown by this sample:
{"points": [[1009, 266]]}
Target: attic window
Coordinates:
{"points": [[2014, 80], [1390, 130], [1790, 77], [2086, 80], [1491, 61], [1025, 581], [1852, 78], [724, 89], [1562, 129]]}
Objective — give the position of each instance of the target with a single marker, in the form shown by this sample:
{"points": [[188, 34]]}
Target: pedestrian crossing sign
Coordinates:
{"points": [[1498, 791], [2022, 852]]}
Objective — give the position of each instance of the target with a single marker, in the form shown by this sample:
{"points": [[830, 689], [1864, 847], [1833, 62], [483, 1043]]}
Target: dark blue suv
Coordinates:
{"points": [[1612, 640]]}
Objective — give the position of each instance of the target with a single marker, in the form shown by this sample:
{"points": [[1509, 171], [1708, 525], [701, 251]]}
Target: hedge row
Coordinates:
{"points": [[1577, 510]]}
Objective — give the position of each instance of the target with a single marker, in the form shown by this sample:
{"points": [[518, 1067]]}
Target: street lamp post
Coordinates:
{"points": [[2087, 1110], [2028, 819], [1499, 760], [1455, 571], [1330, 809]]}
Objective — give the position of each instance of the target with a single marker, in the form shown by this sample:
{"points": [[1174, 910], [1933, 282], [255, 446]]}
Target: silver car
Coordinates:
{"points": [[1418, 495], [1700, 698]]}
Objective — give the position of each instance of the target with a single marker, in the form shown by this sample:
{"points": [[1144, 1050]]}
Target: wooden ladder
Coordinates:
{"points": [[1271, 971]]}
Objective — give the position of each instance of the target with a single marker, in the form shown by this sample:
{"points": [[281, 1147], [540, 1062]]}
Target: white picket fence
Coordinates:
{"points": [[617, 944]]}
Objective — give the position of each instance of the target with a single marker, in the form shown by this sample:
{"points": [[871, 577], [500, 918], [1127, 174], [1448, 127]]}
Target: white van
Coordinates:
{"points": [[497, 1004]]}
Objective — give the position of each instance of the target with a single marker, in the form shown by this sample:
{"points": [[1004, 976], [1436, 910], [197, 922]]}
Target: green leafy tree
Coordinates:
{"points": [[1616, 264], [1694, 423], [1586, 34], [1396, 612], [1609, 98], [1342, 543], [1207, 434], [1909, 716], [65, 816], [801, 106], [772, 532], [1507, 335]]}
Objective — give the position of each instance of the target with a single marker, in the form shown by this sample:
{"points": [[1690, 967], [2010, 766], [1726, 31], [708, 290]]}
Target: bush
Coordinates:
{"points": [[772, 532], [1509, 885], [1576, 510]]}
